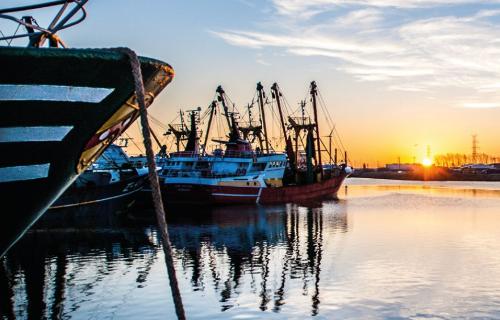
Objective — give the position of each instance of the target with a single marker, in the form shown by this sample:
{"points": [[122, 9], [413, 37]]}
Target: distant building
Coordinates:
{"points": [[480, 168], [403, 166]]}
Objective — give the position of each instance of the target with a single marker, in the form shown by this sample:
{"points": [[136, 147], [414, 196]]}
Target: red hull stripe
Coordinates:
{"points": [[206, 194]]}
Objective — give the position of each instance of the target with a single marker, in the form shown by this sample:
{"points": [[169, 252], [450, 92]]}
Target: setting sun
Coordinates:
{"points": [[427, 162]]}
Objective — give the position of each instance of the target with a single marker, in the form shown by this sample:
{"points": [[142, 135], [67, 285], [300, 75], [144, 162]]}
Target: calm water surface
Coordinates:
{"points": [[385, 250]]}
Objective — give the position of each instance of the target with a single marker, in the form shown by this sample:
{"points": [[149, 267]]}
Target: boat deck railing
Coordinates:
{"points": [[37, 34], [202, 173]]}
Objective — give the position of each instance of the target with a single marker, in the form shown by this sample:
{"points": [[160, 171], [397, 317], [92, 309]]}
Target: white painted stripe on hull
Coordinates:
{"points": [[258, 196], [29, 172], [43, 92], [32, 134], [233, 195]]}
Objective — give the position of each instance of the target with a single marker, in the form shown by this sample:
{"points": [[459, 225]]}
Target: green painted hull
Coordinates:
{"points": [[60, 109]]}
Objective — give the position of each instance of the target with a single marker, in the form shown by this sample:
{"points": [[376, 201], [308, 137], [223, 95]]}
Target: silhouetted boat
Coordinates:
{"points": [[112, 178], [61, 108], [241, 175]]}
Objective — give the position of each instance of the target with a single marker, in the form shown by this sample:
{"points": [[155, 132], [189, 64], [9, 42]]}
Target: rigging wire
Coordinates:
{"points": [[133, 142], [334, 127]]}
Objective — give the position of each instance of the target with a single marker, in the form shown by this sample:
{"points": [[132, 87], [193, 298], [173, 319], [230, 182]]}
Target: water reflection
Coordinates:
{"points": [[233, 245], [41, 267], [51, 273], [469, 189], [382, 252]]}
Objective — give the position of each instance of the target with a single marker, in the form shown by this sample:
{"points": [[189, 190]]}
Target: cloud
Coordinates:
{"points": [[326, 42], [461, 52], [408, 87], [237, 39], [408, 54], [308, 8], [262, 62], [364, 16], [480, 105]]}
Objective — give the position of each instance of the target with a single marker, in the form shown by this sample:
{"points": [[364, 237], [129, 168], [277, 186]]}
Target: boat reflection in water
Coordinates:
{"points": [[389, 251], [240, 241], [232, 256]]}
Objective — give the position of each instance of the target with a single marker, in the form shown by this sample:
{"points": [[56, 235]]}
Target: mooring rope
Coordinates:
{"points": [[153, 180]]}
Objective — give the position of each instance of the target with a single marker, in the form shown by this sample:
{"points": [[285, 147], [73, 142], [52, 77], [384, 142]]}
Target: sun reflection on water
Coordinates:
{"points": [[384, 250]]}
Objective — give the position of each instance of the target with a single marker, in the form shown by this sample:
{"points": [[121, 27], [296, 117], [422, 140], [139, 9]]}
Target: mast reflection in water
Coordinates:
{"points": [[232, 256], [389, 250]]}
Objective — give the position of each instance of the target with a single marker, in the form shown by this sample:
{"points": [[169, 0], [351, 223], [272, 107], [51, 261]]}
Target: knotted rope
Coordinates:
{"points": [[153, 180]]}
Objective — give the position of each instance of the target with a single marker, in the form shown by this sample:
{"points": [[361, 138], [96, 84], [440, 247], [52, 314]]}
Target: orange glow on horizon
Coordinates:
{"points": [[426, 162]]}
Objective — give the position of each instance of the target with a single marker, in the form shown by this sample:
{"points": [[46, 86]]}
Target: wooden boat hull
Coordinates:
{"points": [[198, 194], [60, 109]]}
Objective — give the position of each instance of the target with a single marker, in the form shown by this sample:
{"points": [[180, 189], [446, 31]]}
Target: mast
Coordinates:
{"points": [[256, 131], [247, 130], [192, 139], [179, 137], [298, 125], [212, 111], [263, 114], [289, 147], [155, 137], [297, 136], [314, 92], [330, 146], [276, 94], [221, 93], [249, 108], [181, 115], [235, 135], [231, 122], [179, 131]]}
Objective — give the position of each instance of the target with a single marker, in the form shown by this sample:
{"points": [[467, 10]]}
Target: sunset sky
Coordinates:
{"points": [[397, 75]]}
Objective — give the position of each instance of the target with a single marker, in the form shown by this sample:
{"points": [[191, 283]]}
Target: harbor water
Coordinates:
{"points": [[385, 250]]}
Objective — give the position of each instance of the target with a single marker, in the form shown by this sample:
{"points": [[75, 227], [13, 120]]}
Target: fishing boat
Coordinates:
{"points": [[240, 174], [111, 178], [61, 108]]}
